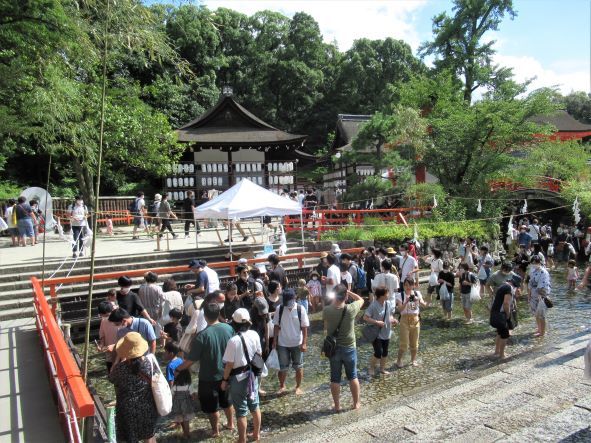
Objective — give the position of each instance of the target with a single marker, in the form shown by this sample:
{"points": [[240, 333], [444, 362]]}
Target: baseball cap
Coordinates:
{"points": [[262, 306], [240, 316], [193, 264]]}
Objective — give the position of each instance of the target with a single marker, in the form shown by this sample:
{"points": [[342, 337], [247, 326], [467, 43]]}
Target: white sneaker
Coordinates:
{"points": [[187, 236]]}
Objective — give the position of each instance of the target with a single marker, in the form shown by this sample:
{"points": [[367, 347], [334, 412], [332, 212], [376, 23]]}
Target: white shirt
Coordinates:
{"points": [[170, 300], [333, 273], [234, 352], [389, 280], [78, 215], [8, 216], [290, 332], [407, 265], [413, 307], [534, 231], [436, 265], [347, 277], [213, 280]]}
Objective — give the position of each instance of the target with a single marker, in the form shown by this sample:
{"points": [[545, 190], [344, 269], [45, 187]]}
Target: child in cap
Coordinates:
{"points": [[303, 294], [182, 404]]}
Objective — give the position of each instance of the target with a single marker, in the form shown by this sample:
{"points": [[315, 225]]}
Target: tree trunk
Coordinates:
{"points": [[85, 182]]}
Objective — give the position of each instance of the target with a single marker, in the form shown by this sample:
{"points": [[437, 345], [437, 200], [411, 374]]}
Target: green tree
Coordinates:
{"points": [[578, 104], [458, 43]]}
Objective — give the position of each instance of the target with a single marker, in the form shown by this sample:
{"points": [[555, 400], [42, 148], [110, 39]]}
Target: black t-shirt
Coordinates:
{"points": [[466, 276], [503, 290], [310, 201], [188, 204], [448, 277], [371, 266], [131, 303], [278, 274], [544, 243], [229, 308], [242, 286], [322, 269], [174, 331]]}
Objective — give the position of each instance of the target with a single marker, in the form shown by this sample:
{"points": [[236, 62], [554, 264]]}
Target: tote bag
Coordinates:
{"points": [[160, 389]]}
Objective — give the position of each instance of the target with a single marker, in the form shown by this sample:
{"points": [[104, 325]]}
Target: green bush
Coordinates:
{"points": [[426, 229]]}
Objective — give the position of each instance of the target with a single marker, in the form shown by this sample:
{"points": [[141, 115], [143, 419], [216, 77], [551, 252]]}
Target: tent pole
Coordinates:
{"points": [[262, 227], [302, 231], [230, 237]]}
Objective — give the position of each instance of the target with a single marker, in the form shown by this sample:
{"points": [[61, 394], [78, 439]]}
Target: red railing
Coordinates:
{"points": [[323, 220], [118, 217], [541, 182], [73, 398]]}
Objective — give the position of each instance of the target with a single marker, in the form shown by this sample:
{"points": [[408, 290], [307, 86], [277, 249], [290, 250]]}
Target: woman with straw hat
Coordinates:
{"points": [[136, 412]]}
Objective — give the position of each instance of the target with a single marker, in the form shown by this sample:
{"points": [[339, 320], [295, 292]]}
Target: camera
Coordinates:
{"points": [[412, 298]]}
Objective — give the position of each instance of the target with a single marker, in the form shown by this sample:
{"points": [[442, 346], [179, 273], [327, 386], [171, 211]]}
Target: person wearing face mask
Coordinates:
{"points": [[244, 286], [315, 288], [129, 300], [408, 265], [78, 214], [291, 331], [497, 278], [539, 288], [232, 302]]}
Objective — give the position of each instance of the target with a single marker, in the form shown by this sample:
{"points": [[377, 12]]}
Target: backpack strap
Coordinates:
{"points": [[336, 332], [244, 349], [298, 306]]}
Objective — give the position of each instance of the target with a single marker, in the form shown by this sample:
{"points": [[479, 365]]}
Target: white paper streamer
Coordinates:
{"points": [[479, 208], [434, 201], [524, 208]]}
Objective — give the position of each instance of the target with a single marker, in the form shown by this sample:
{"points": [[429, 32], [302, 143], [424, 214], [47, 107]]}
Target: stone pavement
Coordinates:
{"points": [[27, 411], [121, 244], [537, 397]]}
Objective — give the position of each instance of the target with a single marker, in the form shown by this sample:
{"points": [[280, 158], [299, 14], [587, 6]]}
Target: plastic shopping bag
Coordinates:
{"points": [[475, 293], [273, 360]]}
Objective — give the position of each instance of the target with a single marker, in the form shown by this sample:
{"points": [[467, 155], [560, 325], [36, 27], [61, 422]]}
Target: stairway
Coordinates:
{"points": [[15, 286], [539, 397]]}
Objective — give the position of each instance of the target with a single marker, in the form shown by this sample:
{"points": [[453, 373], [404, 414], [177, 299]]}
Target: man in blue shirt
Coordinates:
{"points": [[128, 324], [524, 238], [200, 288]]}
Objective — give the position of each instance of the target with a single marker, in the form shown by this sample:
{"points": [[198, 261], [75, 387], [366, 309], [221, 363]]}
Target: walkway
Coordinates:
{"points": [[541, 397], [27, 411]]}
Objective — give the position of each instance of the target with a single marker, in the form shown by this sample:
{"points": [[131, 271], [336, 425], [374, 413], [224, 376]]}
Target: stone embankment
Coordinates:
{"points": [[542, 396]]}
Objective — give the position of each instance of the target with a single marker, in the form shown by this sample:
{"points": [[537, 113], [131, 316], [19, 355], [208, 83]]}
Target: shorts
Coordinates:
{"points": [[182, 406], [503, 333], [211, 396], [293, 355], [25, 227], [138, 220], [240, 399], [447, 305], [466, 302], [380, 348], [410, 329], [346, 357], [13, 232]]}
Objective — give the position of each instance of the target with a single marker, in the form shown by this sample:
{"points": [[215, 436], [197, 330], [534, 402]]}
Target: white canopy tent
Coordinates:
{"points": [[247, 199]]}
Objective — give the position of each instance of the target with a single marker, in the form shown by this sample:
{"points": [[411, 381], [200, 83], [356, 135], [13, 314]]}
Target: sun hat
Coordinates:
{"points": [[241, 316], [335, 249], [132, 345], [390, 250], [323, 254]]}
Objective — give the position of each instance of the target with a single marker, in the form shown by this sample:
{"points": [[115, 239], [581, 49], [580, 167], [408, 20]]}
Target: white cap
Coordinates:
{"points": [[241, 315], [242, 261]]}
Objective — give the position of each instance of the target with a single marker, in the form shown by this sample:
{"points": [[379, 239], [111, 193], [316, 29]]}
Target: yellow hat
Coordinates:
{"points": [[323, 254], [132, 345], [390, 251]]}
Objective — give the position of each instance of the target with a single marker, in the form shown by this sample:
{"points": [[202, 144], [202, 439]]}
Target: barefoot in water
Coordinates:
{"points": [[281, 391], [356, 406], [384, 372], [415, 363], [299, 391], [252, 437], [399, 365]]}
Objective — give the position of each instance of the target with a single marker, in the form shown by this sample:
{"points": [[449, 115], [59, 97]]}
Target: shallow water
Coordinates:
{"points": [[447, 349]]}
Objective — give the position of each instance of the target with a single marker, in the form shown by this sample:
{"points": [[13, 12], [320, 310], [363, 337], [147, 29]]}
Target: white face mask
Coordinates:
{"points": [[79, 202], [403, 253], [221, 305], [125, 290], [314, 278]]}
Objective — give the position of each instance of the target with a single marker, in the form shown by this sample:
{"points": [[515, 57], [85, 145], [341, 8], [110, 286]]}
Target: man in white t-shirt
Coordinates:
{"points": [[291, 333], [139, 208], [534, 231], [386, 279], [408, 265], [213, 281], [333, 275]]}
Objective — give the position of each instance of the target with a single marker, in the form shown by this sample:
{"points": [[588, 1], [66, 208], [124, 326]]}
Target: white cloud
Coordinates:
{"points": [[567, 75], [344, 21]]}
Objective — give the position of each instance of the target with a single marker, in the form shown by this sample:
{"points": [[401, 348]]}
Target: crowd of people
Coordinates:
{"points": [[262, 316]]}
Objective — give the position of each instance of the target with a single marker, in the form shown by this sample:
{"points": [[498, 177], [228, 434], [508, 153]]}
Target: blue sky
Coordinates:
{"points": [[549, 39]]}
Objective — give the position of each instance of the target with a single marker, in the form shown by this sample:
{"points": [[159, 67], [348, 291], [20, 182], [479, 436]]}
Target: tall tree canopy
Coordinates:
{"points": [[458, 44]]}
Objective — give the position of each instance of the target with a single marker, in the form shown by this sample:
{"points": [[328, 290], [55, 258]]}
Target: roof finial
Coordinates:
{"points": [[227, 91]]}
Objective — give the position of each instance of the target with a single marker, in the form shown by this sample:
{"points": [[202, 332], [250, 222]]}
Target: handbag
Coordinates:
{"points": [[329, 345], [548, 302], [273, 360], [256, 364], [498, 319], [160, 388], [371, 332], [513, 321]]}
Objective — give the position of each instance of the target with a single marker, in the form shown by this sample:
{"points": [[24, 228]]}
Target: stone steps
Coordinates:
{"points": [[15, 287], [541, 397]]}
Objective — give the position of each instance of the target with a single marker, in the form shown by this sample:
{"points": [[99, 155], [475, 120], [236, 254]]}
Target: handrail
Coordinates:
{"points": [[74, 399], [52, 282]]}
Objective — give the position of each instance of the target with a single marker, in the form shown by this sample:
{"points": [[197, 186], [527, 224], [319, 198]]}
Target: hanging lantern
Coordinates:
{"points": [[524, 207]]}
